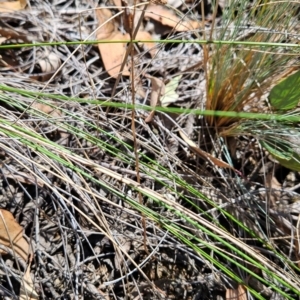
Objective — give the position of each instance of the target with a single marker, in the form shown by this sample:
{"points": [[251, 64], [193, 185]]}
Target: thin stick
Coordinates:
{"points": [[129, 22], [130, 48]]}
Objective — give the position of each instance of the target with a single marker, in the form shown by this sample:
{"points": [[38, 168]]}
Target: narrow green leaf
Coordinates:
{"points": [[286, 94]]}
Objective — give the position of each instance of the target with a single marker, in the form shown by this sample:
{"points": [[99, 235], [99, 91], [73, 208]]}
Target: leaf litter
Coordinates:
{"points": [[74, 223]]}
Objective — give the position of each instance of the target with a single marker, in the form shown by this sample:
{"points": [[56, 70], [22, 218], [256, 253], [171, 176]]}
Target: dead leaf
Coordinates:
{"points": [[237, 294], [119, 258], [112, 54], [168, 18], [139, 90], [2, 40], [215, 161], [26, 178], [55, 113], [47, 109], [161, 2], [11, 235], [12, 6], [27, 291], [8, 57], [150, 46], [117, 3], [10, 34], [275, 188], [157, 90], [49, 64]]}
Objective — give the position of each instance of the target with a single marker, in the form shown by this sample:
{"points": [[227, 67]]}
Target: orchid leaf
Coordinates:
{"points": [[286, 94], [284, 153]]}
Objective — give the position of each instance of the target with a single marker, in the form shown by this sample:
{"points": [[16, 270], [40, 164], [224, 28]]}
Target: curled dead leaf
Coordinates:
{"points": [[203, 154], [139, 90], [49, 64], [128, 22], [157, 89], [168, 18]]}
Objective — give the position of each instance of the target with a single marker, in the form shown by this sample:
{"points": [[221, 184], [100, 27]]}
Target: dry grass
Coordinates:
{"points": [[68, 170]]}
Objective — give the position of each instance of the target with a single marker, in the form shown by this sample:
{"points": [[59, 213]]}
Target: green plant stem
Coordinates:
{"points": [[201, 42]]}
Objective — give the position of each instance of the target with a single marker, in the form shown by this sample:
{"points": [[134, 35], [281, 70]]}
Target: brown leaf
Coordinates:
{"points": [[112, 54], [168, 18], [236, 294], [107, 28], [157, 90], [150, 46], [55, 113], [27, 291], [47, 109], [197, 150], [117, 3], [11, 234], [13, 5]]}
